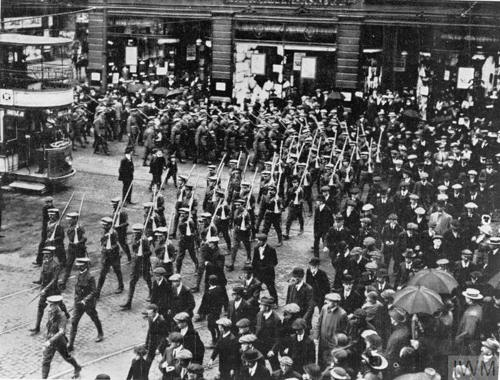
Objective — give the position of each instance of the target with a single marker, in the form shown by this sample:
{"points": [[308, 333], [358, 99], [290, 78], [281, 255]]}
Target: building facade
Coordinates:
{"points": [[277, 46]]}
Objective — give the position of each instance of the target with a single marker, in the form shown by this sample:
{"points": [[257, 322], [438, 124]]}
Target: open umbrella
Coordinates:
{"points": [[495, 281], [435, 279], [160, 91], [418, 299], [175, 92]]}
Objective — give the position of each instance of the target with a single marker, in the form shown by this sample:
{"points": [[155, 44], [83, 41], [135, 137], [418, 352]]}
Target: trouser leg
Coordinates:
{"points": [[118, 271], [77, 314], [48, 355], [69, 265], [277, 227], [92, 313], [102, 275]]}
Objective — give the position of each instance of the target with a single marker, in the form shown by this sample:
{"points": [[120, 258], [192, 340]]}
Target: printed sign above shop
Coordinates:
{"points": [[10, 23]]}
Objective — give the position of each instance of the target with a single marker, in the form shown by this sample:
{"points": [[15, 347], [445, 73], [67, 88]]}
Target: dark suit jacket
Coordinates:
{"points": [[243, 311], [323, 220], [302, 353], [184, 301], [264, 268], [160, 296], [252, 292], [260, 374], [126, 170], [213, 301], [193, 343], [157, 334], [320, 285], [267, 331], [351, 303], [227, 349], [304, 298]]}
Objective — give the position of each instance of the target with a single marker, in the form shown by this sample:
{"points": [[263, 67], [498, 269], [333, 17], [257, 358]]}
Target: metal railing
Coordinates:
{"points": [[38, 78]]}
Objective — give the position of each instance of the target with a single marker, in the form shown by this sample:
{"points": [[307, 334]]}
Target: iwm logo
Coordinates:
{"points": [[473, 367]]}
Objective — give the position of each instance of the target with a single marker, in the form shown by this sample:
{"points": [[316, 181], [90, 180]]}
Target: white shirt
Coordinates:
{"points": [[299, 285], [261, 252], [247, 282], [252, 370], [300, 337], [178, 289], [184, 330], [237, 304], [267, 314]]}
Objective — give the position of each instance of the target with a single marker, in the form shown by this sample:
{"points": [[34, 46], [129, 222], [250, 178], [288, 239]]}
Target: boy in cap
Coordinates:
{"points": [[227, 349], [299, 347], [191, 338], [267, 330], [139, 367], [85, 300], [110, 256], [56, 338], [286, 370], [156, 338], [301, 293]]}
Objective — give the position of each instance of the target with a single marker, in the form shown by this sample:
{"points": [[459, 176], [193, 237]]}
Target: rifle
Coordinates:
{"points": [[75, 239], [296, 200], [61, 216], [245, 168], [247, 204], [191, 201], [377, 154], [120, 205], [334, 146], [370, 169]]}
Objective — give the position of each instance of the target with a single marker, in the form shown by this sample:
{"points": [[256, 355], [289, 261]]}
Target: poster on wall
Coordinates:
{"points": [[258, 64], [131, 55], [465, 77], [308, 68], [297, 60], [191, 52]]}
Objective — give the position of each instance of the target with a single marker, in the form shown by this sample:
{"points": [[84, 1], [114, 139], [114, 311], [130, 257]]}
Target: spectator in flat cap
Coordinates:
{"points": [[227, 349], [298, 346], [157, 334], [267, 329], [181, 298], [286, 370], [332, 319], [252, 288], [191, 339], [351, 299], [238, 308], [318, 280], [213, 301], [263, 263], [301, 293]]}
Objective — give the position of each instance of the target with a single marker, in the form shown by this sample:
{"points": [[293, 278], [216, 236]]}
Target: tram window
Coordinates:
{"points": [[10, 127]]}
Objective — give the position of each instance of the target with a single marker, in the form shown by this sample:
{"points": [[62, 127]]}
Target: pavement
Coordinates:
{"points": [[96, 177]]}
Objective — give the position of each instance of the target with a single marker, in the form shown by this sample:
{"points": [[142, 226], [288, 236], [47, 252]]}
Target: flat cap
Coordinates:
{"points": [[334, 297], [181, 317]]}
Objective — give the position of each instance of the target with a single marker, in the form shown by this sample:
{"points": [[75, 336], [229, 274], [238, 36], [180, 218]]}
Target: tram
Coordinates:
{"points": [[36, 93]]}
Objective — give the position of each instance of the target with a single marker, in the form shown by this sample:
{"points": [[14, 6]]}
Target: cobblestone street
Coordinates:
{"points": [[20, 353]]}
